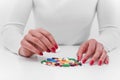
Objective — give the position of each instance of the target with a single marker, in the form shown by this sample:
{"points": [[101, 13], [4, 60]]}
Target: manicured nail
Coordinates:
{"points": [[56, 46], [107, 62], [91, 62], [48, 50], [53, 50], [41, 54], [100, 63], [78, 58], [83, 61]]}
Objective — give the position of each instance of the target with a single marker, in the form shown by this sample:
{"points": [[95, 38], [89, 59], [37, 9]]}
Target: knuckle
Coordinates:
{"points": [[44, 49], [35, 50], [26, 37], [91, 49], [93, 40], [22, 42], [41, 45], [99, 51], [48, 34], [95, 57], [41, 36], [49, 45], [100, 44], [82, 49], [31, 31], [30, 47], [35, 40]]}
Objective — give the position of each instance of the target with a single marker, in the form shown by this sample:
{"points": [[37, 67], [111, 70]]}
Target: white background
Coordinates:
{"points": [[30, 69], [6, 7]]}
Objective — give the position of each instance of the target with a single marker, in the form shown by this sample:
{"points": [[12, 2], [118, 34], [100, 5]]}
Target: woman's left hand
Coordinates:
{"points": [[94, 50]]}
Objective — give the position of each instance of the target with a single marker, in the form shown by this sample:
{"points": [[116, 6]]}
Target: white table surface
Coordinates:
{"points": [[13, 67]]}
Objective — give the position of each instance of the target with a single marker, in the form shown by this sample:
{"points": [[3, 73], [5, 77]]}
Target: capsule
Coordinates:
{"points": [[61, 62], [66, 65]]}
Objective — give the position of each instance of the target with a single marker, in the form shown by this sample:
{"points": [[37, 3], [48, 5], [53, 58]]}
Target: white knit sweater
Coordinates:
{"points": [[68, 20]]}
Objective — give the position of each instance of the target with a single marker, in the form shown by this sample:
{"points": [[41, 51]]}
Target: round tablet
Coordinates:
{"points": [[58, 50]]}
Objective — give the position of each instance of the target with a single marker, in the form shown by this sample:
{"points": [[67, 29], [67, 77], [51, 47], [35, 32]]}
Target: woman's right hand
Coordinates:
{"points": [[36, 42]]}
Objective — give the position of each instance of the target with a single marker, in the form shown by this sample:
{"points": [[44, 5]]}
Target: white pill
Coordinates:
{"points": [[58, 50]]}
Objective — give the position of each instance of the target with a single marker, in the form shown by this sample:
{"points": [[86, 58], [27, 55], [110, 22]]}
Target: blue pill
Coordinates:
{"points": [[51, 60]]}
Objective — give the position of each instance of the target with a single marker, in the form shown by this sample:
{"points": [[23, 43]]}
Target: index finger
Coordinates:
{"points": [[81, 50]]}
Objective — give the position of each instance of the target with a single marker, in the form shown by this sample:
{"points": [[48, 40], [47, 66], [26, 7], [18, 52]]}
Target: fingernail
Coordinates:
{"points": [[53, 50], [100, 63], [91, 62], [48, 50], [107, 62], [83, 61], [56, 46], [41, 54], [78, 58]]}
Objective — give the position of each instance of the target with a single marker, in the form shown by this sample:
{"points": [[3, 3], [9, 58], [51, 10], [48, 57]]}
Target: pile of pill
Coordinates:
{"points": [[61, 62]]}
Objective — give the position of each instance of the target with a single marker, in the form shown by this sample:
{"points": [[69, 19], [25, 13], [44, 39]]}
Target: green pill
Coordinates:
{"points": [[43, 61], [66, 65], [72, 59]]}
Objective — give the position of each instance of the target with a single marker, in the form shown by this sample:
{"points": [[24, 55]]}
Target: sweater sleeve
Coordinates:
{"points": [[13, 30], [109, 23]]}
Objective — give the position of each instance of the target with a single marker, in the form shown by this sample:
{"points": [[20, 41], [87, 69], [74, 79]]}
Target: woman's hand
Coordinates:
{"points": [[95, 50], [37, 41]]}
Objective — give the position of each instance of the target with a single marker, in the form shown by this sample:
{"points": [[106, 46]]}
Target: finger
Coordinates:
{"points": [[38, 42], [46, 43], [48, 50], [81, 50], [49, 36], [33, 37], [25, 52], [106, 60], [34, 41], [98, 52], [30, 47], [90, 50], [102, 58], [40, 51]]}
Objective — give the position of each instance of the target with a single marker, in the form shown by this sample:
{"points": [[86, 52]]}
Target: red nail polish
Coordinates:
{"points": [[91, 62], [107, 62], [56, 46], [41, 54], [83, 61], [53, 50], [78, 58], [48, 50], [100, 63]]}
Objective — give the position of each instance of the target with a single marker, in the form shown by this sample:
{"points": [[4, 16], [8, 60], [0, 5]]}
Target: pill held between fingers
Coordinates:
{"points": [[58, 50]]}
